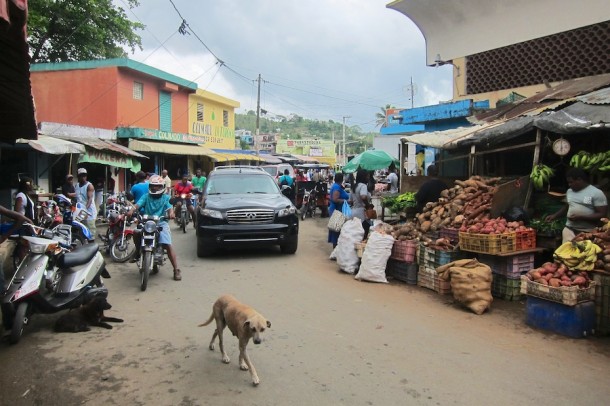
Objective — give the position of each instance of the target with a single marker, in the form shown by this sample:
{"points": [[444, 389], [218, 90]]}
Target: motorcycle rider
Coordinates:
{"points": [[156, 203], [183, 187]]}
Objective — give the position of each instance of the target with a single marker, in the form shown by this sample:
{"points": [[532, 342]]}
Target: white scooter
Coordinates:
{"points": [[50, 279]]}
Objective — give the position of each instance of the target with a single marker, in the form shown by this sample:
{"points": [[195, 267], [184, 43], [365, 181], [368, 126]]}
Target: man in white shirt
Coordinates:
{"points": [[393, 180]]}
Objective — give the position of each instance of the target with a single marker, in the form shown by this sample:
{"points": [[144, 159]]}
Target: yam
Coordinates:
{"points": [[425, 226]]}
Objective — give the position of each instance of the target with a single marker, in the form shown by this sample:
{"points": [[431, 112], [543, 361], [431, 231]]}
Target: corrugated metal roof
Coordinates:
{"points": [[601, 96]]}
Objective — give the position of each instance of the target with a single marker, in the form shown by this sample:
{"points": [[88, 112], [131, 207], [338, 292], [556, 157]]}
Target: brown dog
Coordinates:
{"points": [[244, 322]]}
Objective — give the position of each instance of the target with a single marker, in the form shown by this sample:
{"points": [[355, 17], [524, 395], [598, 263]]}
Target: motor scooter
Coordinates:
{"points": [[51, 278], [75, 215]]}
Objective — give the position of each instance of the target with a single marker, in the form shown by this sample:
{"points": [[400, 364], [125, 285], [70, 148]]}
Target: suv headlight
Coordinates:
{"points": [[287, 211], [211, 213]]}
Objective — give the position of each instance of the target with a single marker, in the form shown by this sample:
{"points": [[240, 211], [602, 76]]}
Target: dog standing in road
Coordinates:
{"points": [[244, 322]]}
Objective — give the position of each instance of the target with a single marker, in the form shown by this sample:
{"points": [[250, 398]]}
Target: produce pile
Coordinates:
{"points": [[547, 228], [599, 161], [600, 238], [540, 176], [578, 255], [557, 275], [398, 204], [494, 226]]}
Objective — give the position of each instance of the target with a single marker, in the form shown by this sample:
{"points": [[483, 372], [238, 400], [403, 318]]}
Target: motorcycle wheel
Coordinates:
{"points": [[183, 221], [20, 321], [304, 211], [147, 264], [78, 239], [123, 249]]}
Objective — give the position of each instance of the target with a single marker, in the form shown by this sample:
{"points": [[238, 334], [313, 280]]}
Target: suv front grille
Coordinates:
{"points": [[250, 216]]}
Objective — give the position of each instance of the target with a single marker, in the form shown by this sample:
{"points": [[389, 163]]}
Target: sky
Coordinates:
{"points": [[319, 59]]}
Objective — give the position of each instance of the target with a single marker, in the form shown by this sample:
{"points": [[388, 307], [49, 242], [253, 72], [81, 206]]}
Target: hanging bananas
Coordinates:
{"points": [[578, 256], [591, 162], [540, 176]]}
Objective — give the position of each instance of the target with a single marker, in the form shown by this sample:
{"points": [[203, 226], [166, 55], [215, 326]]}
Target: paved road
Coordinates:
{"points": [[333, 341]]}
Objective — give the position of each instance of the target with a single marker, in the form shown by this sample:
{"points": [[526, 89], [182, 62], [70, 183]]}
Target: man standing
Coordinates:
{"points": [[393, 180], [85, 192], [67, 189], [586, 205], [167, 182], [140, 188], [199, 180]]}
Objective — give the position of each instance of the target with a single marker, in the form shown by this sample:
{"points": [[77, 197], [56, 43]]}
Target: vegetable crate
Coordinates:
{"points": [[452, 234], [506, 288], [429, 279], [404, 250], [406, 272], [525, 240], [602, 303], [567, 295], [488, 243], [434, 258], [510, 267]]}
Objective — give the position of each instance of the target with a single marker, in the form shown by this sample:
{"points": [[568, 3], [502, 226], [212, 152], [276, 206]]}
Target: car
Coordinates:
{"points": [[278, 170], [242, 206]]}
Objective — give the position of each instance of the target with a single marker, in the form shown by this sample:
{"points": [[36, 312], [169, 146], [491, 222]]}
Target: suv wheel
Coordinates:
{"points": [[204, 250], [290, 247]]}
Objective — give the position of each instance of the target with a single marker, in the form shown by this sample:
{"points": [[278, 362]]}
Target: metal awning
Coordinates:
{"points": [[169, 148], [270, 159], [228, 155], [447, 139], [105, 145], [54, 146]]}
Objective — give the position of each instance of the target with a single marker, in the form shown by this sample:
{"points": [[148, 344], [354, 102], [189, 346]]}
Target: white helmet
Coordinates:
{"points": [[156, 186]]}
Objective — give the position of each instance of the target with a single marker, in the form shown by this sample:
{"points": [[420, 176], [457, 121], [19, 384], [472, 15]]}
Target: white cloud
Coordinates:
{"points": [[318, 58]]}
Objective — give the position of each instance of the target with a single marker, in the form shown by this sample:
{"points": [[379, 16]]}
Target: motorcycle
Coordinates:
{"points": [[51, 278], [309, 203], [118, 239], [49, 215], [152, 253], [183, 216], [74, 215]]}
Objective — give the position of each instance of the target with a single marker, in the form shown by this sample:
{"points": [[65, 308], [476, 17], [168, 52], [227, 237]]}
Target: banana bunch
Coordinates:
{"points": [[578, 256], [540, 175], [591, 162]]}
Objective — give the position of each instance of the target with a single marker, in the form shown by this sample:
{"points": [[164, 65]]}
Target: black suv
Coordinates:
{"points": [[242, 205]]}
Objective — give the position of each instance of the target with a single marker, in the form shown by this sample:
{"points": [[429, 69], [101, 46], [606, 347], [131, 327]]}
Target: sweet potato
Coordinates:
{"points": [[554, 282], [579, 280]]}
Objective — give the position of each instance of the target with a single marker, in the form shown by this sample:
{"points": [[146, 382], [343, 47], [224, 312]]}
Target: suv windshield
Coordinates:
{"points": [[239, 184]]}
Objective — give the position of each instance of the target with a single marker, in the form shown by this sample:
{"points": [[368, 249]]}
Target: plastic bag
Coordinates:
{"points": [[346, 210], [515, 213]]}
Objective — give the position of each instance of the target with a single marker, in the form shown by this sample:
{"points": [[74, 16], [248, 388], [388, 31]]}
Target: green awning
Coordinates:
{"points": [[110, 158]]}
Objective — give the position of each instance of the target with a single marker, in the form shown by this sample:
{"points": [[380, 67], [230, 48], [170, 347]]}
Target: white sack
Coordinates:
{"points": [[375, 257], [347, 257]]}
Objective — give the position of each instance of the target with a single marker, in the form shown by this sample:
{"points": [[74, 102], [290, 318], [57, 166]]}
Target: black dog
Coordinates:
{"points": [[89, 314]]}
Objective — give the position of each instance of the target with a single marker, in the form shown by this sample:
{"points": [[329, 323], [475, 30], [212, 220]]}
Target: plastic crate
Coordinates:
{"points": [[406, 272], [525, 240], [576, 321], [567, 295], [452, 234], [428, 278], [602, 303], [488, 243], [404, 250], [506, 288], [511, 267], [434, 258]]}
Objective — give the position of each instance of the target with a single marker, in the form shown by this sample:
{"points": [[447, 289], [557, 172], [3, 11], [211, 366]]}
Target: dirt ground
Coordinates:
{"points": [[333, 341]]}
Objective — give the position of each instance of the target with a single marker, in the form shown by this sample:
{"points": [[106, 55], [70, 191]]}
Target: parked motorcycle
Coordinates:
{"points": [[74, 215], [118, 239], [51, 278], [152, 253], [309, 205], [49, 215]]}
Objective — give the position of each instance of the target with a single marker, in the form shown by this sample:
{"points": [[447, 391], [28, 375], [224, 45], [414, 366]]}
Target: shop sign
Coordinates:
{"points": [[158, 135], [316, 152], [110, 158]]}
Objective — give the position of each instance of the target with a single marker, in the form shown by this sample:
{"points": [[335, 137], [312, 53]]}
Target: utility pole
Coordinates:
{"points": [[343, 153], [258, 114]]}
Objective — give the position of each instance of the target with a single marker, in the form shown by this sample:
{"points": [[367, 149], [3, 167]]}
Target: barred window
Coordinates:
{"points": [[138, 91], [199, 112], [225, 118]]}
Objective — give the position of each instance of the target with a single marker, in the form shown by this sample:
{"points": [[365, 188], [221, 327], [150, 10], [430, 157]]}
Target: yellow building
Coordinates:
{"points": [[213, 118], [322, 151]]}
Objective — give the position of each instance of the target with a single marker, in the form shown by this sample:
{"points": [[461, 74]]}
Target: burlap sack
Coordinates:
{"points": [[470, 283]]}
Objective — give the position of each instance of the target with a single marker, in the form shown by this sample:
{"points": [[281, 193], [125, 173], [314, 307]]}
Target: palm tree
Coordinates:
{"points": [[381, 120]]}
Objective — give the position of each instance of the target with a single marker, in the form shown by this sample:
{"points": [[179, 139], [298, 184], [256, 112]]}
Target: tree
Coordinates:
{"points": [[381, 120], [78, 30]]}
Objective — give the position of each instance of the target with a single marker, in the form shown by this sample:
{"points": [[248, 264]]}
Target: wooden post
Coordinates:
{"points": [[535, 162], [471, 161]]}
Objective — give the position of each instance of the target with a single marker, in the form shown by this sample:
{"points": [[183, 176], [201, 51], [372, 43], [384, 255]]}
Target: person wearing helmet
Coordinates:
{"points": [[156, 203], [184, 187]]}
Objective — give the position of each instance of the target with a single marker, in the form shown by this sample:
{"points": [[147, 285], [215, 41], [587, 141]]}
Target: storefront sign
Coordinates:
{"points": [[214, 136], [148, 134]]}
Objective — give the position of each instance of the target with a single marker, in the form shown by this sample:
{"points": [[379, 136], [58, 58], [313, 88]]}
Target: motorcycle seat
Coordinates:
{"points": [[79, 256]]}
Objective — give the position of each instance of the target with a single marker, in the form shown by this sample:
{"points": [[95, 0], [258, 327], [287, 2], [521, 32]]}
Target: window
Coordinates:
{"points": [[138, 91], [199, 112], [225, 118]]}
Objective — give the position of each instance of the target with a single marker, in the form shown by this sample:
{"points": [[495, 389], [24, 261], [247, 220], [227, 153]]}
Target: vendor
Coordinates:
{"points": [[586, 205], [431, 190]]}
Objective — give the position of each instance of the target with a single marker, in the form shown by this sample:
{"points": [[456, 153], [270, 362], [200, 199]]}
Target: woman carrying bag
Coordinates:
{"points": [[338, 196], [361, 200]]}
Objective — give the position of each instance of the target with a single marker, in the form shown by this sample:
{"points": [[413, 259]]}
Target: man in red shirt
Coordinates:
{"points": [[184, 188]]}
